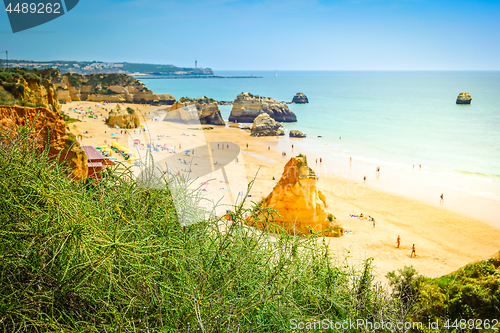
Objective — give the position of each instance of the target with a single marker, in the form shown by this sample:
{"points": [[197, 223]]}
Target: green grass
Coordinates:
{"points": [[112, 257]]}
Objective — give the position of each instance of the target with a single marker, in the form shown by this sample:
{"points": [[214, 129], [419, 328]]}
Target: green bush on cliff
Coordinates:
{"points": [[472, 292], [111, 256]]}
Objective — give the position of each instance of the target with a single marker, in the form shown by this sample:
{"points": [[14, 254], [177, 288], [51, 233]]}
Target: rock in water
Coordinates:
{"points": [[300, 205], [264, 125], [296, 134], [464, 98], [300, 98], [246, 107], [203, 110], [122, 118]]}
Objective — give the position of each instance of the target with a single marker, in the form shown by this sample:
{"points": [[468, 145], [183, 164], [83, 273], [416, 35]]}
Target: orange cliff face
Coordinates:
{"points": [[49, 127], [300, 205]]}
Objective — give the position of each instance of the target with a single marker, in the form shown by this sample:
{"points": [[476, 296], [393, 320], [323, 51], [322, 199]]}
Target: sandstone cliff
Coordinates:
{"points": [[264, 125], [123, 118], [464, 98], [48, 126], [120, 88], [300, 205], [28, 88], [246, 107], [300, 98], [203, 110]]}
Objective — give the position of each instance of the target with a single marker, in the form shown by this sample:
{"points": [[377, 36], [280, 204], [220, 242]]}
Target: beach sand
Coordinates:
{"points": [[445, 239]]}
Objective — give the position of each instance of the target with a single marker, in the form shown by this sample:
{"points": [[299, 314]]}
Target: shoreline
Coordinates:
{"points": [[445, 239]]}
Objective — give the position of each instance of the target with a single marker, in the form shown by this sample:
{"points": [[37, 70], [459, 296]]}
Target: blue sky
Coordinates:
{"points": [[269, 35]]}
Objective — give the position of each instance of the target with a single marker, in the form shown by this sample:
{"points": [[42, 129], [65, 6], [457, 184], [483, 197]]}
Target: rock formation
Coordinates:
{"points": [[264, 125], [122, 118], [296, 134], [120, 88], [300, 205], [300, 98], [464, 98], [48, 126], [246, 107], [203, 110]]}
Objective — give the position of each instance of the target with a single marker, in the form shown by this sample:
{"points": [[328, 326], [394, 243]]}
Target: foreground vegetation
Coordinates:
{"points": [[112, 257]]}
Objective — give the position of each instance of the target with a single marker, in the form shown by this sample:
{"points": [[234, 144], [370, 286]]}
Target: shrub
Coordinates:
{"points": [[130, 110], [97, 256]]}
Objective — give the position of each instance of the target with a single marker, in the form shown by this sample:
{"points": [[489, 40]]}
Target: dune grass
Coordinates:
{"points": [[112, 257]]}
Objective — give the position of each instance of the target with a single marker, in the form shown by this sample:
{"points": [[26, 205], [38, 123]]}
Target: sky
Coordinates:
{"points": [[270, 34]]}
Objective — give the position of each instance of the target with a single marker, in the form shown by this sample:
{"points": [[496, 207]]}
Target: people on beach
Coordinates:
{"points": [[292, 148], [442, 198], [268, 148], [218, 146], [350, 161], [413, 253], [398, 241], [247, 145], [364, 179], [320, 160], [420, 165], [316, 161], [373, 220]]}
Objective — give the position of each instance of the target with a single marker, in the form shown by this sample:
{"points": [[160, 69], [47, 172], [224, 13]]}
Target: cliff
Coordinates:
{"points": [[120, 88], [464, 98], [264, 125], [246, 107], [300, 206], [204, 110], [300, 98], [48, 127], [27, 88], [123, 118]]}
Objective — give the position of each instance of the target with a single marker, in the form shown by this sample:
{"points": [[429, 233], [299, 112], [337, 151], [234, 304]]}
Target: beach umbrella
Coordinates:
{"points": [[137, 140], [187, 151]]}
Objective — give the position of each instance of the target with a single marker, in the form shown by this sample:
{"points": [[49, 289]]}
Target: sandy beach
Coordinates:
{"points": [[444, 237]]}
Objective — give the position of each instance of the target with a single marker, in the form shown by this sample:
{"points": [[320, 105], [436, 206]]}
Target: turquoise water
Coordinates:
{"points": [[398, 118]]}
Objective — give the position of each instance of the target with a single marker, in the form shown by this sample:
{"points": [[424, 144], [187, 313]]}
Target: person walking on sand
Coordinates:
{"points": [[442, 198], [413, 253], [292, 148], [350, 161], [364, 179], [247, 145], [373, 220], [398, 241], [320, 160]]}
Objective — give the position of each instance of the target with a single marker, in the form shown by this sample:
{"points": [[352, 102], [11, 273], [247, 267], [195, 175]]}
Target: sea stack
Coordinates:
{"points": [[300, 98], [246, 107], [300, 206], [296, 134], [188, 110], [464, 98], [264, 125]]}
